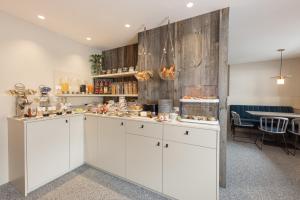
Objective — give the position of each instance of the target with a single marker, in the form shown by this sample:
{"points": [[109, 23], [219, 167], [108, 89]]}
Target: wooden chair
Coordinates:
{"points": [[237, 123], [273, 126], [295, 131]]}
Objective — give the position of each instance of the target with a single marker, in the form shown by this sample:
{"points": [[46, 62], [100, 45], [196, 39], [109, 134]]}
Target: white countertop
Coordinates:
{"points": [[143, 119], [32, 119], [151, 120]]}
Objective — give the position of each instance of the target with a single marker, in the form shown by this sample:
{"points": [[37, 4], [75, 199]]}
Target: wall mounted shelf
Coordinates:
{"points": [[97, 95], [116, 75]]}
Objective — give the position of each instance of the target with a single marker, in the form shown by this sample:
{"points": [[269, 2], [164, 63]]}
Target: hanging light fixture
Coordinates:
{"points": [[280, 79]]}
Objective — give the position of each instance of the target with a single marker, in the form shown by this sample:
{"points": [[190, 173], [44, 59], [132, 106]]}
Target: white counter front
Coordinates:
{"points": [[175, 159]]}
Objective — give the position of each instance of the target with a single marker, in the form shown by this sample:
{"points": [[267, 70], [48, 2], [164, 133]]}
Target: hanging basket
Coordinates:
{"points": [[167, 66], [144, 74]]}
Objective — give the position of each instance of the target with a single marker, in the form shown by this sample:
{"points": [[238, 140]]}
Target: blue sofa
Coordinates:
{"points": [[246, 117]]}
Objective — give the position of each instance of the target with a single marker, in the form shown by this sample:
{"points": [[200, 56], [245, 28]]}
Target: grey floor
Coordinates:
{"points": [[252, 174], [84, 183], [269, 174]]}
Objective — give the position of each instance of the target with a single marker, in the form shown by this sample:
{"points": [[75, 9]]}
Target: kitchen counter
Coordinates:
{"points": [[142, 150], [142, 119], [152, 120], [31, 119]]}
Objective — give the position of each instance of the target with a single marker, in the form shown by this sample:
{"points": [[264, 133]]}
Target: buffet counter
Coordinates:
{"points": [[154, 120], [141, 150]]}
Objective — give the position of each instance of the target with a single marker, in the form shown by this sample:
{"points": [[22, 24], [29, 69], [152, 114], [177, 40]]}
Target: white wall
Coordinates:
{"points": [[250, 83], [33, 56]]}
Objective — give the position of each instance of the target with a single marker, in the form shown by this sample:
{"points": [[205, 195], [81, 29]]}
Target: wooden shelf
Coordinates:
{"points": [[116, 75], [97, 95], [199, 100]]}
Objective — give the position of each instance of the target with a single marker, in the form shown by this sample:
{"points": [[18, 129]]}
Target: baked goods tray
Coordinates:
{"points": [[199, 121]]}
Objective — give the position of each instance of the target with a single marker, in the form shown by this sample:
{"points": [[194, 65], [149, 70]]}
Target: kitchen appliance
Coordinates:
{"points": [[153, 108], [44, 99], [22, 101]]}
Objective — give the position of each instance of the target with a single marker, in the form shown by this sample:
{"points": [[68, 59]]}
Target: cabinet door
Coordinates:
{"points": [[189, 172], [144, 161], [47, 151], [91, 140], [76, 141], [112, 146]]}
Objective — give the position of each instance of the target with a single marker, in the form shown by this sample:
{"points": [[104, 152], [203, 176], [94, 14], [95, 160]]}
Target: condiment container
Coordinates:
{"points": [[131, 68], [130, 87], [173, 116], [83, 88], [134, 87], [125, 69], [114, 70]]}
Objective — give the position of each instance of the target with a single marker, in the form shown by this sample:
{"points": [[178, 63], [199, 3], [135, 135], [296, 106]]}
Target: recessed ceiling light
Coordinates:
{"points": [[88, 38], [41, 17], [127, 25], [190, 4]]}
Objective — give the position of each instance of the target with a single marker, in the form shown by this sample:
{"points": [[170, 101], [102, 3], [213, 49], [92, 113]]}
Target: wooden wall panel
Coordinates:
{"points": [[196, 43], [121, 57], [223, 91]]}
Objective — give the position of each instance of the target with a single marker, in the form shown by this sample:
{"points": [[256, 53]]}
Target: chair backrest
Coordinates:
{"points": [[296, 126], [274, 124], [236, 118]]}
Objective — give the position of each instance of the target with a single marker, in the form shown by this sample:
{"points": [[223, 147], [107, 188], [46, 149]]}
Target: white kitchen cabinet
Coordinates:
{"points": [[144, 161], [177, 159], [91, 140], [112, 145], [47, 151], [189, 171], [76, 141], [154, 130]]}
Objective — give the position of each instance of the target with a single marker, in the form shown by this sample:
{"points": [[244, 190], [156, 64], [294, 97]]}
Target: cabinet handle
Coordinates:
{"points": [[122, 123], [142, 126], [186, 133], [158, 144], [84, 118], [166, 145], [67, 121]]}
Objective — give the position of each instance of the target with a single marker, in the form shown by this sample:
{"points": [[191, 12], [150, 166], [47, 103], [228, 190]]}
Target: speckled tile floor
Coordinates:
{"points": [[252, 175], [84, 183], [269, 174]]}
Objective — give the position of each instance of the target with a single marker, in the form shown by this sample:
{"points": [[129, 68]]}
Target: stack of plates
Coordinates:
{"points": [[165, 105]]}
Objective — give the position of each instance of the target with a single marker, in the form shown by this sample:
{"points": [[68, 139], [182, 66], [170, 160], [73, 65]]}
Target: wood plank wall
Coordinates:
{"points": [[196, 42], [121, 57], [223, 91]]}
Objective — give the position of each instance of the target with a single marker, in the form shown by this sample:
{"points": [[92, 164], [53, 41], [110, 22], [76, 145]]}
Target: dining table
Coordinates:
{"points": [[274, 114]]}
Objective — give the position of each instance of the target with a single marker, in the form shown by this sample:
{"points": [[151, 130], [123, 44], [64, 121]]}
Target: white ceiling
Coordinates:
{"points": [[257, 27]]}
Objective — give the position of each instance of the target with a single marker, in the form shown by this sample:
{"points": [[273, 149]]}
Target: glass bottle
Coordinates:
{"points": [[105, 87], [101, 87]]}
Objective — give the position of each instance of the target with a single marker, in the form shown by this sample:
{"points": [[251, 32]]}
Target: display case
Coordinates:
{"points": [[201, 111]]}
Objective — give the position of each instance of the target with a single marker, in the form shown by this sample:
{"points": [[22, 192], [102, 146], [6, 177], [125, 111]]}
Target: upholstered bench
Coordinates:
{"points": [[248, 118]]}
